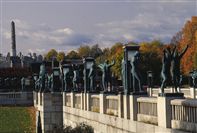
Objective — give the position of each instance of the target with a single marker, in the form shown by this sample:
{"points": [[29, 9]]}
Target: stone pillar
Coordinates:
{"points": [[64, 98], [164, 110], [134, 106], [88, 101], [102, 103], [192, 93], [51, 111], [171, 89], [126, 106], [82, 102], [120, 105], [72, 99], [150, 91]]}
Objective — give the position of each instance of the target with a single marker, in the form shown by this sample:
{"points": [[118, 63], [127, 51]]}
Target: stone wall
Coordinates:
{"points": [[50, 107]]}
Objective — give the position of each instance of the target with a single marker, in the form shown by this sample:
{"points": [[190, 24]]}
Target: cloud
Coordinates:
{"points": [[43, 38], [143, 21]]}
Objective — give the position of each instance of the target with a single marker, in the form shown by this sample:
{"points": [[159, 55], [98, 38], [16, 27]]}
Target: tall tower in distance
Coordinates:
{"points": [[13, 39]]}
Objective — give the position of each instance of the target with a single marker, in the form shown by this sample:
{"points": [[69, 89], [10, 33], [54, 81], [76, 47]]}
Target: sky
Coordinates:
{"points": [[65, 25]]}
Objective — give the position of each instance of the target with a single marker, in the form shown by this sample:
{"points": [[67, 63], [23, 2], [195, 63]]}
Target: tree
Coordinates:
{"points": [[117, 54], [151, 54], [84, 51], [51, 54], [73, 55], [60, 56], [189, 36], [95, 51]]}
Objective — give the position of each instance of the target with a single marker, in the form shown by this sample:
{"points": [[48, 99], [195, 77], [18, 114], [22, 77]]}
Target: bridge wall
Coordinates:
{"points": [[117, 113]]}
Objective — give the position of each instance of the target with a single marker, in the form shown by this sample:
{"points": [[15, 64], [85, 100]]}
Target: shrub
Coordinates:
{"points": [[80, 128]]}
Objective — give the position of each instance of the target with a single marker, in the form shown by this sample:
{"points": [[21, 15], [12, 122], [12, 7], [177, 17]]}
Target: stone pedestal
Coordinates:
{"points": [[51, 111], [133, 104], [164, 110]]}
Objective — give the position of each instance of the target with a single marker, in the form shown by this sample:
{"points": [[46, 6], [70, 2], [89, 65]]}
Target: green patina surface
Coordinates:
{"points": [[17, 120]]}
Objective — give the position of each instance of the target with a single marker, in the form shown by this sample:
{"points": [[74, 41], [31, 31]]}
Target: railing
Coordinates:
{"points": [[16, 98], [147, 110], [112, 105], [187, 92], [184, 112], [95, 103]]}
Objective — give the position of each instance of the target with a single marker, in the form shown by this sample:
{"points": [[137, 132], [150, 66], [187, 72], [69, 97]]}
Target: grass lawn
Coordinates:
{"points": [[17, 120]]}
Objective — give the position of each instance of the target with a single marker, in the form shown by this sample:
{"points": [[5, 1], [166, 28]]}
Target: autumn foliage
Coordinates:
{"points": [[188, 36]]}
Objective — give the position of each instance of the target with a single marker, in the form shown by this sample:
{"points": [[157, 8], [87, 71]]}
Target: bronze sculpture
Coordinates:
{"points": [[135, 71], [166, 64], [106, 74], [91, 76], [66, 79], [176, 58]]}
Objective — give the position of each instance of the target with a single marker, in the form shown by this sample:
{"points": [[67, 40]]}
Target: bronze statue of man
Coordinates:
{"points": [[166, 64], [106, 74], [42, 77], [135, 71], [91, 76], [66, 79], [76, 77], [176, 58]]}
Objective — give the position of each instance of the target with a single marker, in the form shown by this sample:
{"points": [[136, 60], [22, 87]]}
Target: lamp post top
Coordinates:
{"points": [[131, 47], [88, 59]]}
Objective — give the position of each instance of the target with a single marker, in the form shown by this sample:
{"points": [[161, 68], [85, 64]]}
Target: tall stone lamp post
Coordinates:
{"points": [[129, 52], [87, 66]]}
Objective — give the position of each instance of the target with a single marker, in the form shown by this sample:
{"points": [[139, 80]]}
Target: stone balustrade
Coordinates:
{"points": [[184, 114], [105, 112], [16, 98], [188, 92], [95, 103], [147, 110]]}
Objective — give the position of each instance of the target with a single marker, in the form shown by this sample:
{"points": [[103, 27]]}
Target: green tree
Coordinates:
{"points": [[151, 55], [51, 54], [95, 51], [60, 56], [73, 55], [116, 52], [84, 51]]}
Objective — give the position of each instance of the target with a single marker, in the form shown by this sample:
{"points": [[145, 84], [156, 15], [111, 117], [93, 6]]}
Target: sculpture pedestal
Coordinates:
{"points": [[164, 108]]}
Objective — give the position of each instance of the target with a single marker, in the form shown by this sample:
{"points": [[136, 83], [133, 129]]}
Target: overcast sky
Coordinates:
{"points": [[65, 25]]}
